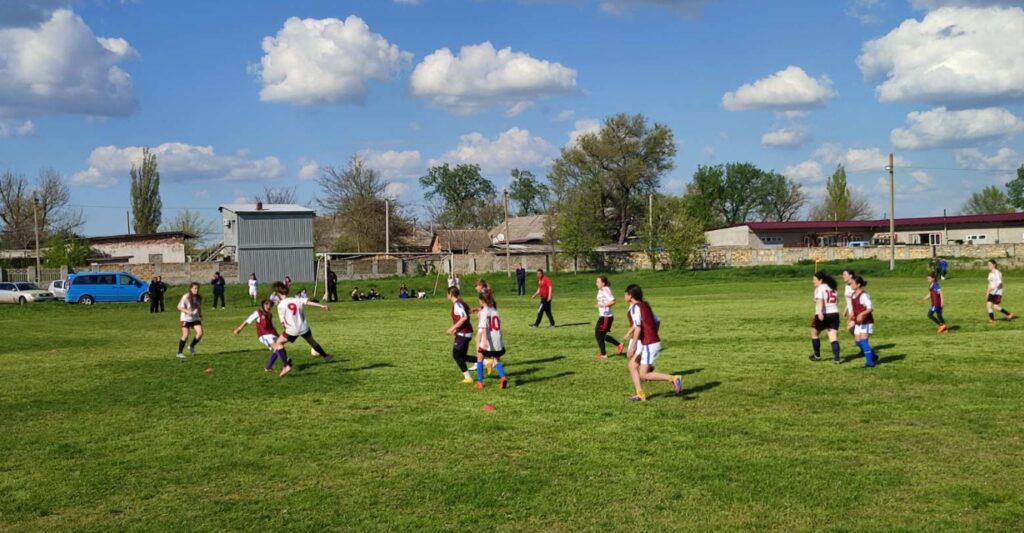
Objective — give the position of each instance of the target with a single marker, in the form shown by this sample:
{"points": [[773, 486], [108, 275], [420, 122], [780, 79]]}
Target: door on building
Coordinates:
{"points": [[926, 238]]}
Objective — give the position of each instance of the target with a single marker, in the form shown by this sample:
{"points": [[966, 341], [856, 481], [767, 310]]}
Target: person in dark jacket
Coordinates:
{"points": [[218, 289], [332, 286], [157, 288], [520, 280]]}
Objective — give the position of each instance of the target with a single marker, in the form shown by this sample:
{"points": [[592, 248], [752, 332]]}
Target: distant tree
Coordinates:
{"points": [[66, 249], [284, 195], [782, 200], [733, 193], [194, 224], [1015, 189], [699, 209], [582, 226], [987, 201], [528, 193], [145, 194], [355, 197], [48, 197], [623, 161], [671, 230], [840, 203], [464, 198]]}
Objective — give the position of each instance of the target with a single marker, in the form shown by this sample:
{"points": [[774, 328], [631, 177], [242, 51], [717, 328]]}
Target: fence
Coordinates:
{"points": [[46, 275]]}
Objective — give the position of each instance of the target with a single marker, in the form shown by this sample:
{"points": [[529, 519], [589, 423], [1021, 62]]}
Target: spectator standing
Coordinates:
{"points": [[154, 291], [332, 286], [218, 289], [161, 288], [520, 280]]}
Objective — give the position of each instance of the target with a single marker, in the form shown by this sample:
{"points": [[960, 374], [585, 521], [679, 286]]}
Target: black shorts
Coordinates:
{"points": [[604, 324], [461, 346], [191, 324], [831, 321], [308, 335], [496, 355], [995, 298]]}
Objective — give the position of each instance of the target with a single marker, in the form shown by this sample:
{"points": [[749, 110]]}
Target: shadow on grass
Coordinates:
{"points": [[884, 346], [890, 359], [528, 381], [688, 372], [689, 393], [551, 359], [572, 324], [233, 352], [954, 328]]}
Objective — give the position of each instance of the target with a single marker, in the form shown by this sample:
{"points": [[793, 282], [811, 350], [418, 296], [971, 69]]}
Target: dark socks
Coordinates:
{"points": [[991, 316], [462, 360], [273, 358], [933, 318], [181, 346], [1005, 312], [816, 344], [600, 342], [835, 350], [195, 341], [319, 350]]}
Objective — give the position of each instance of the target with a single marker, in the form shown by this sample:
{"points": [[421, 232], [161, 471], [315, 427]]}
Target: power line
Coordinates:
{"points": [[191, 208]]}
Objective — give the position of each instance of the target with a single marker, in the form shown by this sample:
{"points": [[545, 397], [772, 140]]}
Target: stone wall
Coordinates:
{"points": [[172, 273], [1010, 254]]}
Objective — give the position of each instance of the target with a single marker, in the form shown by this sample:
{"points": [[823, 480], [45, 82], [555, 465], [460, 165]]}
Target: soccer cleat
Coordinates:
{"points": [[618, 349], [1010, 316], [191, 349], [285, 371], [836, 362], [480, 384], [601, 356], [533, 326], [813, 357], [990, 321], [467, 381], [180, 355], [328, 359], [638, 398], [677, 384], [943, 329], [503, 383]]}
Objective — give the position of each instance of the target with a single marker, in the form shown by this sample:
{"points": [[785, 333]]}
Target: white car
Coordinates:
{"points": [[23, 292], [58, 289]]}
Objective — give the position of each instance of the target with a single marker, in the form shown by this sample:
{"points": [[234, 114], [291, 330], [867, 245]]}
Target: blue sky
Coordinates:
{"points": [[234, 96]]}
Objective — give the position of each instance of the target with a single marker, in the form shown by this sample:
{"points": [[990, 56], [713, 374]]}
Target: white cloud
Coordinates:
{"points": [[784, 138], [515, 148], [953, 55], [176, 162], [583, 127], [709, 152], [920, 182], [481, 77], [395, 189], [787, 89], [855, 159], [61, 67], [862, 10], [565, 115], [685, 8], [325, 61], [16, 128], [1004, 158], [308, 169], [202, 194], [940, 127], [807, 171], [392, 164]]}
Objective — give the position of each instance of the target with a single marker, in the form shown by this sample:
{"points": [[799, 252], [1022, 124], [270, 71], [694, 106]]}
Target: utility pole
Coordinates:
{"points": [[650, 227], [508, 253], [35, 226], [387, 226], [128, 222], [892, 215]]}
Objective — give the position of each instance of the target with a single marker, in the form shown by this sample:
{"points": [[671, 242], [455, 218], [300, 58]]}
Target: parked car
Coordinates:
{"points": [[23, 292], [58, 288], [858, 244], [91, 287]]}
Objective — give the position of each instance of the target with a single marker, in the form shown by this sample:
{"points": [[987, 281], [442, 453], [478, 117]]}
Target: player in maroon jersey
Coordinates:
{"points": [[462, 330], [863, 319], [265, 331], [937, 300], [644, 351]]}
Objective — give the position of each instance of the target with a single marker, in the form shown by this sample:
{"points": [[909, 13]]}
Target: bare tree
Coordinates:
{"points": [[283, 195], [355, 195], [49, 197], [783, 198], [194, 224]]}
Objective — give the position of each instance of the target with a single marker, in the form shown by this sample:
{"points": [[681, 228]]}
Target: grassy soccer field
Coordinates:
{"points": [[104, 430]]}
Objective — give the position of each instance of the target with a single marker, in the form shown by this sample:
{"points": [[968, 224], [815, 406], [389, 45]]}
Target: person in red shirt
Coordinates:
{"points": [[544, 292]]}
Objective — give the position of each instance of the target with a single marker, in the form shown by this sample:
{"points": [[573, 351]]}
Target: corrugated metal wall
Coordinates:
{"points": [[274, 264]]}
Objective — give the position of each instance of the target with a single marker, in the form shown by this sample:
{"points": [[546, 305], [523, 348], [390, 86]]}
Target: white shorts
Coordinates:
{"points": [[648, 353], [252, 293], [268, 340], [863, 328]]}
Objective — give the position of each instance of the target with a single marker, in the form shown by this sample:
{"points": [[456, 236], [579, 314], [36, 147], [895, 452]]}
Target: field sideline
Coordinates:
{"points": [[103, 429]]}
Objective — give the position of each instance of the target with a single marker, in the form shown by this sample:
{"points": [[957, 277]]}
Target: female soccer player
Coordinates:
{"points": [[863, 319], [191, 308], [293, 318], [935, 293], [605, 301], [265, 331], [644, 352], [253, 288], [462, 330], [848, 295], [489, 342], [826, 315], [994, 294]]}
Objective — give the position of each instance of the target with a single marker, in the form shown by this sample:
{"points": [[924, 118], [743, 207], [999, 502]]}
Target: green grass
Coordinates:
{"points": [[104, 430]]}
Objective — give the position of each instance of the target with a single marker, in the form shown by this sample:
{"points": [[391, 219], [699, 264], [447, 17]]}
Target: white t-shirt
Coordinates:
{"points": [[489, 330], [186, 303], [253, 317], [292, 315], [604, 297], [826, 294], [252, 286], [995, 282], [634, 314]]}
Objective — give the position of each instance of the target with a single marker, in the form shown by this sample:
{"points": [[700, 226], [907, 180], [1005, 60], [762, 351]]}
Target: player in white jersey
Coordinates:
{"points": [[605, 318], [253, 288], [489, 342], [291, 312], [826, 315], [191, 308], [994, 293]]}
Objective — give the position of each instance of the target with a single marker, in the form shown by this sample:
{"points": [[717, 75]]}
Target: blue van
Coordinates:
{"points": [[91, 287]]}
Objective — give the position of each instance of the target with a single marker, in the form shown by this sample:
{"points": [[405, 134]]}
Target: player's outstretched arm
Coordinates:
{"points": [[240, 328], [316, 304]]}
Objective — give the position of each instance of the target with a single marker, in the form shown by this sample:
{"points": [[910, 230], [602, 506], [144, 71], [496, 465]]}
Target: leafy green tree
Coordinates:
{"points": [[699, 209], [782, 198], [987, 201], [670, 229], [528, 193], [66, 249], [465, 198], [192, 223], [581, 227], [733, 193], [1015, 189], [840, 203], [145, 194], [623, 161]]}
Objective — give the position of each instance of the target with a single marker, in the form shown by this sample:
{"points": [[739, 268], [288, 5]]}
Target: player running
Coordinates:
{"points": [[644, 351], [462, 330], [489, 341], [191, 308], [291, 312], [938, 302], [826, 315], [265, 331], [863, 319], [605, 317], [994, 294]]}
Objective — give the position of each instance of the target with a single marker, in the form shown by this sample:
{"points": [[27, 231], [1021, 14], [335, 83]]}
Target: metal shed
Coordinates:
{"points": [[272, 240]]}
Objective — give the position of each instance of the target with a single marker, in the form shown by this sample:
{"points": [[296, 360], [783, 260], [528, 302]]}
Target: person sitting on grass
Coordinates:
{"points": [[354, 294]]}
